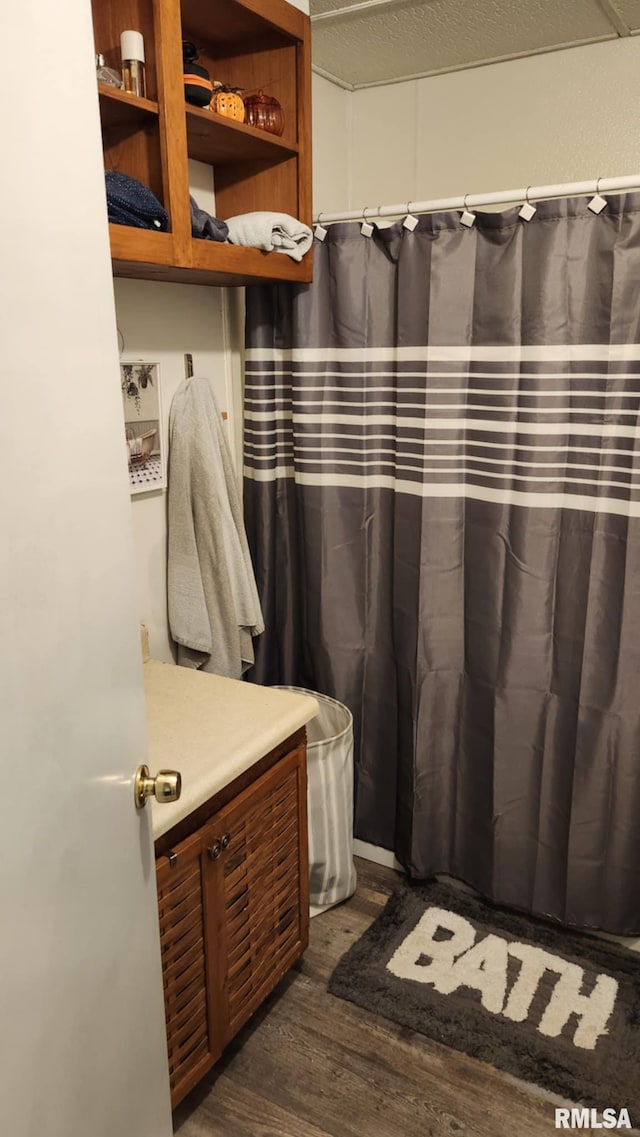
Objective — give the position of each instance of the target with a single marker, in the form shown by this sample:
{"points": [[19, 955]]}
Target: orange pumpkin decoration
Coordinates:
{"points": [[265, 113], [228, 102]]}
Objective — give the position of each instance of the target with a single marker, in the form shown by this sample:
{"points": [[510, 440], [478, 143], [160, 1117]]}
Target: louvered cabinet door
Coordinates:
{"points": [[262, 889], [192, 1040]]}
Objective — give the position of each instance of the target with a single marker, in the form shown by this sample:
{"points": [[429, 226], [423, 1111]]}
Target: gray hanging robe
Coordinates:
{"points": [[213, 602]]}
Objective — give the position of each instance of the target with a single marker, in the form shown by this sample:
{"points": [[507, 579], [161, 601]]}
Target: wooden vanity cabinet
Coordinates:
{"points": [[233, 900]]}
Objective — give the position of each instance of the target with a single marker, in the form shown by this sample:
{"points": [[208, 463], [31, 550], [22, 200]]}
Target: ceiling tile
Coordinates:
{"points": [[418, 38], [330, 5], [629, 10]]}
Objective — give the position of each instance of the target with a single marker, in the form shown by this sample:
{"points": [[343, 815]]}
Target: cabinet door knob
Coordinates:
{"points": [[215, 850], [225, 840]]}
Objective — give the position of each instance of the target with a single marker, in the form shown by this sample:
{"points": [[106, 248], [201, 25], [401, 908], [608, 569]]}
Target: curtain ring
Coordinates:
{"points": [[410, 222], [366, 228], [598, 180], [527, 210], [464, 203], [319, 219]]}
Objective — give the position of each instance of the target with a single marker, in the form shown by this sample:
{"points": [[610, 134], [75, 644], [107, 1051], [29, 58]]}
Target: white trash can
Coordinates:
{"points": [[332, 873]]}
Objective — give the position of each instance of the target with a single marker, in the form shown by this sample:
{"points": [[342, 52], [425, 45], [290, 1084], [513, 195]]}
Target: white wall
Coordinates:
{"points": [[161, 322], [563, 116], [331, 145]]}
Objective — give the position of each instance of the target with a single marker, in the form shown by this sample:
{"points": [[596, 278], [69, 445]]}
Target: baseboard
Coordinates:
{"points": [[376, 854]]}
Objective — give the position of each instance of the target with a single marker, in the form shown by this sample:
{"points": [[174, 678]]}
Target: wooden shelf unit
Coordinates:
{"points": [[252, 44]]}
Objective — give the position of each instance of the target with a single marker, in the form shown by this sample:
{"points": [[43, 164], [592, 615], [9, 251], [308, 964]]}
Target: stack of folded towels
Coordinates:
{"points": [[130, 202]]}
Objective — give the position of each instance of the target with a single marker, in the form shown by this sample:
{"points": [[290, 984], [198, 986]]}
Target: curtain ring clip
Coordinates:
{"points": [[319, 232], [598, 202], [527, 210], [366, 228], [467, 218], [410, 222]]}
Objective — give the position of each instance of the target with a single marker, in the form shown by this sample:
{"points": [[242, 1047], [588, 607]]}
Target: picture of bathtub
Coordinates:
{"points": [[140, 384]]}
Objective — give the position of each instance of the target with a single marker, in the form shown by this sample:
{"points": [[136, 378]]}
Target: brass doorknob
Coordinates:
{"points": [[166, 786]]}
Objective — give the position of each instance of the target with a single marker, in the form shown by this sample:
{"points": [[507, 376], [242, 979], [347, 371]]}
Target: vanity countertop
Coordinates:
{"points": [[211, 729]]}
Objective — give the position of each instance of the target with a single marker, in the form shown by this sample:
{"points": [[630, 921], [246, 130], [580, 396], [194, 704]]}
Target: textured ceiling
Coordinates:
{"points": [[360, 43]]}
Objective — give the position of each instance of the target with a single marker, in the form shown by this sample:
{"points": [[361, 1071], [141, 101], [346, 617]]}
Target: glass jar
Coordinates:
{"points": [[107, 75], [264, 112]]}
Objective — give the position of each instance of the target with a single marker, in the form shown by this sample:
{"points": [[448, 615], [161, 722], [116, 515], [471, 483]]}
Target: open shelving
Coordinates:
{"points": [[251, 44]]}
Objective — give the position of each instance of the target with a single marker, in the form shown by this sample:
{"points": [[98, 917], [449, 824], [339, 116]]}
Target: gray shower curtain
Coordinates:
{"points": [[442, 491]]}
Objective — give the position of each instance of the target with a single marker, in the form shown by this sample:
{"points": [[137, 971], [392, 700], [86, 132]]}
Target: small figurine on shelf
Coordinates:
{"points": [[264, 112], [107, 75], [198, 87], [227, 101]]}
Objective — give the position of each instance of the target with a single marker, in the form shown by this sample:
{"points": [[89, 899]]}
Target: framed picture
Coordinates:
{"points": [[140, 382]]}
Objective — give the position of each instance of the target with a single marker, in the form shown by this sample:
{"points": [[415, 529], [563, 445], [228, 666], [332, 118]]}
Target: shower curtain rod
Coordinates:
{"points": [[475, 200]]}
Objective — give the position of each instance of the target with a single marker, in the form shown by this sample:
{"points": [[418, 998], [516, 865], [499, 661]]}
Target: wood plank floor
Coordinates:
{"points": [[312, 1065]]}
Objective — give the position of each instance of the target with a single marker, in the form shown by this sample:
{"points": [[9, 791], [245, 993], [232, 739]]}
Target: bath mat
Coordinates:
{"points": [[547, 1005]]}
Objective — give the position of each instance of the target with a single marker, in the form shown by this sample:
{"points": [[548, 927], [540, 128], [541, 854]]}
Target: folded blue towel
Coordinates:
{"points": [[129, 202]]}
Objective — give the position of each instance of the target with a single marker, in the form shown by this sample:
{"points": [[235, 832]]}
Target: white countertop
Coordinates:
{"points": [[211, 729]]}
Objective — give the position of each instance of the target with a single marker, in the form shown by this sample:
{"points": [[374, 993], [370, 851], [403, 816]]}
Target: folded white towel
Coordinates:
{"points": [[270, 231]]}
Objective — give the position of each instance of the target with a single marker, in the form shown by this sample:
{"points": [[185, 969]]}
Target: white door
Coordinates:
{"points": [[82, 1048]]}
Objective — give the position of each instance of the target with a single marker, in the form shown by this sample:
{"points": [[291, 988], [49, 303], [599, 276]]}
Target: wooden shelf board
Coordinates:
{"points": [[238, 20], [138, 246], [120, 107], [214, 139], [214, 263]]}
